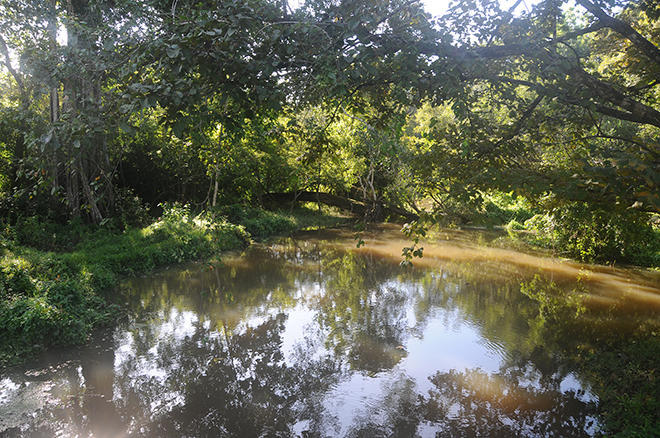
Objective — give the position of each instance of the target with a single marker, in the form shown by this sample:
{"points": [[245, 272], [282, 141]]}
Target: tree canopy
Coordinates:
{"points": [[377, 101]]}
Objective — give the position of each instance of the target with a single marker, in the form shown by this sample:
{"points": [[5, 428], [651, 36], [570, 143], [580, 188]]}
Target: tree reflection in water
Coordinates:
{"points": [[245, 388], [474, 403], [305, 338]]}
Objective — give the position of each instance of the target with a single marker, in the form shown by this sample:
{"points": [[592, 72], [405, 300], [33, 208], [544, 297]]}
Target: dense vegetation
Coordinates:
{"points": [[108, 106], [543, 118]]}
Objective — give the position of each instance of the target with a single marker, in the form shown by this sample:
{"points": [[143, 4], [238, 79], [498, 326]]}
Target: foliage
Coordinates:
{"points": [[504, 207], [598, 235], [258, 223], [415, 232], [489, 209], [545, 120], [605, 235], [218, 104]]}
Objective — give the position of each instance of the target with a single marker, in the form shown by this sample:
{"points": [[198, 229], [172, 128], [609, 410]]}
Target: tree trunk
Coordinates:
{"points": [[215, 188], [88, 173], [371, 210]]}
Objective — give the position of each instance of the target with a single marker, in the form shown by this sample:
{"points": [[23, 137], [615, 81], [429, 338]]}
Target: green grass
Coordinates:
{"points": [[261, 223], [52, 298]]}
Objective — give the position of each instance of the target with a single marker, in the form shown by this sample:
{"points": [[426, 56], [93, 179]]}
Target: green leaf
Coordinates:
{"points": [[173, 51], [126, 127], [47, 137]]}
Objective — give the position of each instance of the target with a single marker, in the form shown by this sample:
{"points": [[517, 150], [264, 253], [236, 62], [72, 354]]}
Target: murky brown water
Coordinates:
{"points": [[312, 337]]}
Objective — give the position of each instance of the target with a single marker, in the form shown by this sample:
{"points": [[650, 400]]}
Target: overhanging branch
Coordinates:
{"points": [[624, 29]]}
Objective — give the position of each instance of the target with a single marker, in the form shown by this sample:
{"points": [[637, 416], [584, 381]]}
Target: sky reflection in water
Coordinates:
{"points": [[310, 337]]}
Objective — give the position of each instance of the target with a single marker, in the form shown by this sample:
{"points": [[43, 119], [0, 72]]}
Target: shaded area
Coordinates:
{"points": [[372, 209]]}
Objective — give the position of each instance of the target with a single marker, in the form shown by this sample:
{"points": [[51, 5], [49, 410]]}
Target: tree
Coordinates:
{"points": [[531, 88]]}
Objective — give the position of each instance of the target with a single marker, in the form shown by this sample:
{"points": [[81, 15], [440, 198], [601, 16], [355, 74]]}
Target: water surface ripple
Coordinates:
{"points": [[310, 336]]}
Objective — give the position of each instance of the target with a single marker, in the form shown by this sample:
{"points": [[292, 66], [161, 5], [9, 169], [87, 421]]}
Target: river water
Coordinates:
{"points": [[311, 336]]}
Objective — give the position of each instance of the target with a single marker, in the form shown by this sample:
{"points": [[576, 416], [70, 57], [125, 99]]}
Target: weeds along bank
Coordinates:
{"points": [[568, 229], [51, 276]]}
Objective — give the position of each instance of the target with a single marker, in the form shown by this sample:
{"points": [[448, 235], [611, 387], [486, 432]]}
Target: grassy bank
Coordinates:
{"points": [[51, 275]]}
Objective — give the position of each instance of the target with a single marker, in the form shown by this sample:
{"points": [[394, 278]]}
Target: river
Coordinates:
{"points": [[311, 336]]}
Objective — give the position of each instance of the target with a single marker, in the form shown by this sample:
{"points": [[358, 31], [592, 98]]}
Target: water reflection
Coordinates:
{"points": [[309, 338]]}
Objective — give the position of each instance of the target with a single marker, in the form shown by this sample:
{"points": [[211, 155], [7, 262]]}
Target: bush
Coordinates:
{"points": [[488, 209], [257, 222], [130, 210], [514, 225], [505, 207], [15, 281], [41, 233], [597, 235]]}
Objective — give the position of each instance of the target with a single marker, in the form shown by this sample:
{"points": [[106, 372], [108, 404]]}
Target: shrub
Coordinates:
{"points": [[41, 233], [598, 235], [15, 281], [514, 225], [130, 210], [257, 222]]}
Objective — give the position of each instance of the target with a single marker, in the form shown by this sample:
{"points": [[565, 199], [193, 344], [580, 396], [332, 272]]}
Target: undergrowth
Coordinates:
{"points": [[573, 229], [594, 235]]}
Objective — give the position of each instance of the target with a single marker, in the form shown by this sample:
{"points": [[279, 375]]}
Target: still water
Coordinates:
{"points": [[310, 336]]}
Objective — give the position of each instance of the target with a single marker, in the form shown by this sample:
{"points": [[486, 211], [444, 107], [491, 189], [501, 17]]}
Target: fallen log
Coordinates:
{"points": [[370, 210]]}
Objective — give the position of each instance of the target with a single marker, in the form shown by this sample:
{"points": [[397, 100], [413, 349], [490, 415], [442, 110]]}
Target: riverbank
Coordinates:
{"points": [[52, 298], [574, 232]]}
